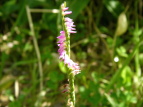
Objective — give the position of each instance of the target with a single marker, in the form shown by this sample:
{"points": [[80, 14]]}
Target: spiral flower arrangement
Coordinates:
{"points": [[64, 51]]}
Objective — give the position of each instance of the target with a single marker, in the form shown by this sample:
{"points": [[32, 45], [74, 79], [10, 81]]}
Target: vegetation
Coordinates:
{"points": [[107, 46]]}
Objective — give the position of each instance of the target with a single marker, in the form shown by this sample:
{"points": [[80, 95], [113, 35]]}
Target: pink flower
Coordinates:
{"points": [[64, 9], [62, 45], [69, 24], [67, 12], [64, 12]]}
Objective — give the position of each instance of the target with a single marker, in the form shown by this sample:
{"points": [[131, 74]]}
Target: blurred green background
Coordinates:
{"points": [[108, 47]]}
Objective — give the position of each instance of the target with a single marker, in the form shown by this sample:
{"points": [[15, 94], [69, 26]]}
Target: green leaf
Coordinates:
{"points": [[113, 6], [76, 6], [62, 67], [122, 52], [127, 75], [9, 7], [111, 100]]}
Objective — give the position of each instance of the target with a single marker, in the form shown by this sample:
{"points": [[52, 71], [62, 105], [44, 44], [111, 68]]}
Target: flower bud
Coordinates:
{"points": [[122, 24]]}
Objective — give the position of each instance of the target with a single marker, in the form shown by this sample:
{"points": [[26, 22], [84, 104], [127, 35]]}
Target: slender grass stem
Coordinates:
{"points": [[113, 52], [44, 10], [136, 35], [35, 43]]}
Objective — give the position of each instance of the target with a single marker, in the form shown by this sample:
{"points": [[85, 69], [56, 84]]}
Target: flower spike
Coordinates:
{"points": [[64, 51]]}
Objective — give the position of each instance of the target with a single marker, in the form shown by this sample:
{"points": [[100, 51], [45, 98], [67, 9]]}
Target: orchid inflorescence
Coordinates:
{"points": [[63, 41], [64, 53]]}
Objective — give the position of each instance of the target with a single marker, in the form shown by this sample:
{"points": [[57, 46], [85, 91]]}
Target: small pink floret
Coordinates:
{"points": [[64, 9], [67, 12]]}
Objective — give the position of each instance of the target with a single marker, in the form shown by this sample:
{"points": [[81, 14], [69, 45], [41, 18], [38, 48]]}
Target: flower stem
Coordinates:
{"points": [[70, 74], [72, 89]]}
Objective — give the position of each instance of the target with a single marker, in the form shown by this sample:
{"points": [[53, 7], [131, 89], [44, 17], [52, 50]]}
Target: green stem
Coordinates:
{"points": [[137, 63], [136, 36], [72, 89], [113, 53]]}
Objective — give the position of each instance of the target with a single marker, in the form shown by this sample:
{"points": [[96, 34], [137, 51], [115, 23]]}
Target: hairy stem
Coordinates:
{"points": [[72, 89]]}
